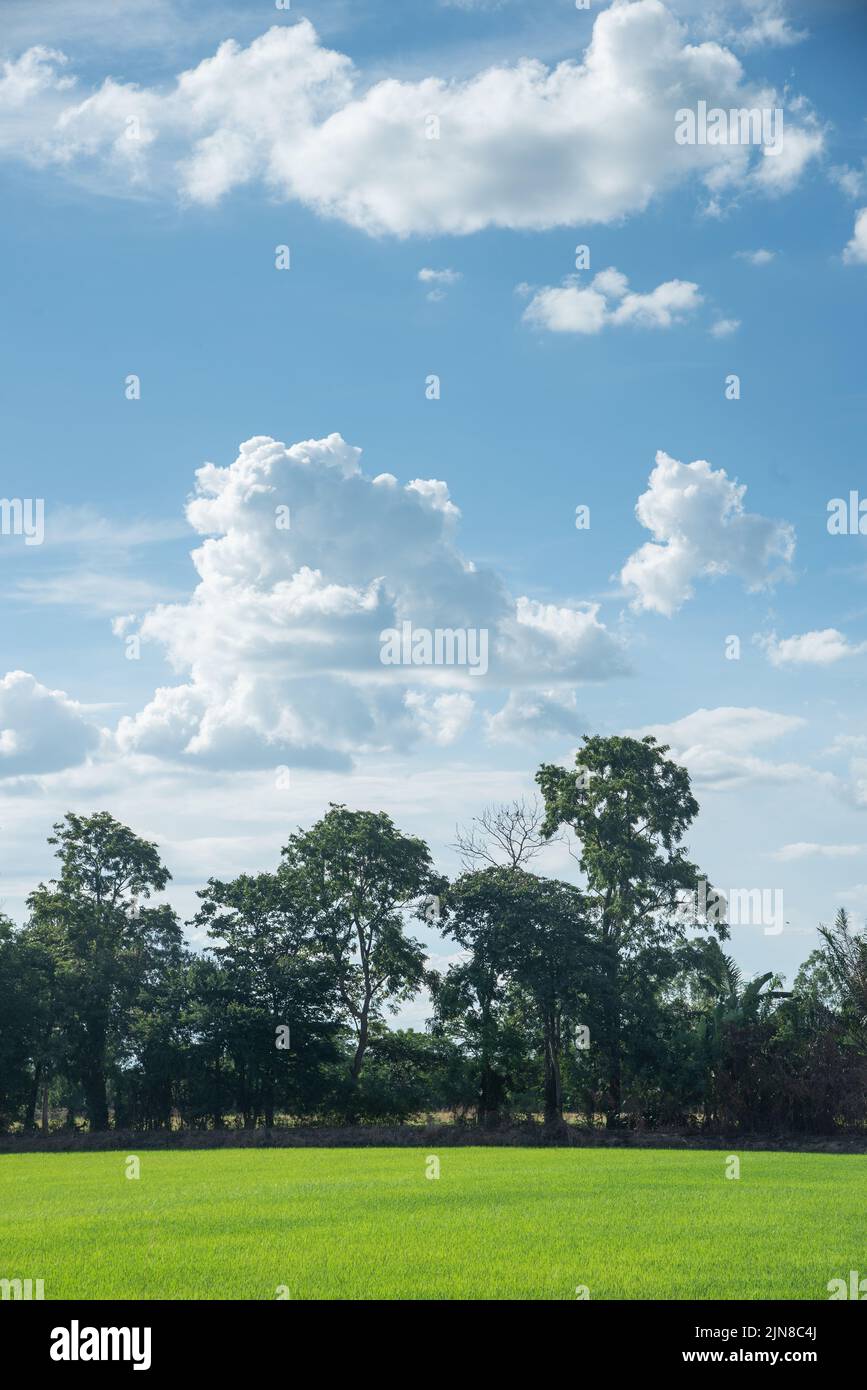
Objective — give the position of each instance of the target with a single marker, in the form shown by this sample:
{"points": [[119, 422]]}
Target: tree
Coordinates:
{"points": [[548, 954], [525, 939], [471, 1000], [27, 1035], [356, 874], [629, 807], [280, 991], [507, 835], [102, 941], [730, 1032], [844, 956]]}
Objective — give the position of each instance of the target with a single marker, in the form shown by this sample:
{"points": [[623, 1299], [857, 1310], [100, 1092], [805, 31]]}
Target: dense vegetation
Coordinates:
{"points": [[606, 1001]]}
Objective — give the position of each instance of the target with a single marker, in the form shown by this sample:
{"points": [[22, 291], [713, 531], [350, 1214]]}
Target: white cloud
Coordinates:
{"points": [[852, 182], [37, 71], [440, 280], [700, 529], [758, 258], [530, 716], [718, 745], [817, 648], [571, 308], [278, 647], [439, 277], [41, 730], [858, 789], [566, 643], [769, 26], [442, 718], [848, 743], [777, 174], [855, 251], [524, 146], [724, 328], [804, 849]]}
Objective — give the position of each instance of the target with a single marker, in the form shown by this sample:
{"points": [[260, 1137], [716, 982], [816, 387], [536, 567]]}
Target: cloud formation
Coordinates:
{"points": [[700, 529], [608, 301], [521, 146], [439, 281], [855, 251], [528, 716], [305, 561], [41, 730], [805, 849], [818, 648], [718, 746]]}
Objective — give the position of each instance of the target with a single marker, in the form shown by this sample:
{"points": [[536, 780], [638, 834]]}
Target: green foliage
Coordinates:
{"points": [[106, 1014]]}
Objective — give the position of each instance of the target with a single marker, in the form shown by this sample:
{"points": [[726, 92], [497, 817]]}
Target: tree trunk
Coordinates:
{"points": [[361, 1048], [553, 1080], [96, 1100], [355, 1070], [491, 1092], [614, 1078], [33, 1098], [613, 1061]]}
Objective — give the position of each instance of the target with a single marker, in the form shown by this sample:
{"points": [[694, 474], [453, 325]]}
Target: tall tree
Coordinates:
{"points": [[281, 987], [356, 875], [28, 1031], [471, 999], [525, 934], [629, 807], [103, 941]]}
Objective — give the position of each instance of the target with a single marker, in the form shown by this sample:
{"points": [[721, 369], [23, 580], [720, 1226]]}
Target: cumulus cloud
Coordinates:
{"points": [[528, 716], [565, 643], [524, 146], [718, 746], [724, 328], [607, 300], [700, 529], [818, 648], [441, 718], [855, 251], [305, 562], [41, 730]]}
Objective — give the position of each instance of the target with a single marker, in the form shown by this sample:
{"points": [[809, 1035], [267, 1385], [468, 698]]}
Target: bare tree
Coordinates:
{"points": [[506, 835]]}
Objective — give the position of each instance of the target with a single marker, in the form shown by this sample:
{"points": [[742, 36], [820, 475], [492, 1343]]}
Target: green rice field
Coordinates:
{"points": [[497, 1223]]}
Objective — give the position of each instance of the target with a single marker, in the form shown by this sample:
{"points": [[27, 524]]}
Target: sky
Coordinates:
{"points": [[319, 321]]}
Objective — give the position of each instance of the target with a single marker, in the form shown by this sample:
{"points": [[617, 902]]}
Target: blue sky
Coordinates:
{"points": [[154, 255]]}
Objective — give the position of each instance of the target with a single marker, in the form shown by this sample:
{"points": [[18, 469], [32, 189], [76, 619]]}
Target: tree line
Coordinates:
{"points": [[607, 1002]]}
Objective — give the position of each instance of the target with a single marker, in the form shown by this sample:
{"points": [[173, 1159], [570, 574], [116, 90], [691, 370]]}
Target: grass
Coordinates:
{"points": [[498, 1223]]}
